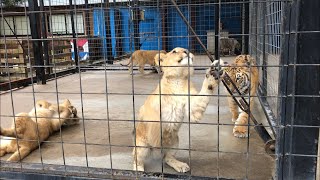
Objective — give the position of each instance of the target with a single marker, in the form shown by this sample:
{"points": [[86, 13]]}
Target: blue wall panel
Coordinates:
{"points": [[126, 27], [204, 17], [99, 28], [230, 18], [176, 27], [113, 32], [150, 30]]}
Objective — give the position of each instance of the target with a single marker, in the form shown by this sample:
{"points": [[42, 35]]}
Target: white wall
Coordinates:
{"points": [[62, 23], [22, 25], [4, 28], [57, 24], [78, 21]]}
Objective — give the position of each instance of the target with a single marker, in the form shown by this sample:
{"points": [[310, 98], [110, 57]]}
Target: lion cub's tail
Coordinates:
{"points": [[129, 62]]}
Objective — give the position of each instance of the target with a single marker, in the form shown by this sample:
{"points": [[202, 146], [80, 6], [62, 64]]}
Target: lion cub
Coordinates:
{"points": [[158, 60], [31, 130], [141, 58], [175, 93]]}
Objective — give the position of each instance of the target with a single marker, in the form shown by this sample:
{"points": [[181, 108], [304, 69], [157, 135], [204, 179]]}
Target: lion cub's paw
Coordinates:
{"points": [[196, 117], [223, 64], [217, 68], [138, 168], [2, 152], [240, 131], [181, 167], [214, 73]]}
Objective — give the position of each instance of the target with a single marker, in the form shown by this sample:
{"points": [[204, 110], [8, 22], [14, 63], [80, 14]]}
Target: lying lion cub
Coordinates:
{"points": [[25, 128], [142, 57], [174, 88]]}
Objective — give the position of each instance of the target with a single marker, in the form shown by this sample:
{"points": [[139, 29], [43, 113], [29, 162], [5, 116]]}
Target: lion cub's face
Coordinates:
{"points": [[66, 111], [177, 63]]}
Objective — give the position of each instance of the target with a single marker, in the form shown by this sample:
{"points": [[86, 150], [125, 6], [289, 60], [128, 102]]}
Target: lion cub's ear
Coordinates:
{"points": [[66, 102], [159, 56], [43, 104]]}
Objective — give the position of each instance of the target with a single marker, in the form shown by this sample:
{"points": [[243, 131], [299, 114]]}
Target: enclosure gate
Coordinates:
{"points": [[282, 35]]}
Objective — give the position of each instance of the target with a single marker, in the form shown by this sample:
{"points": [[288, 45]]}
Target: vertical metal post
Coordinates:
{"points": [[36, 44], [44, 37], [108, 32], [283, 77], [264, 58], [216, 30], [299, 88], [118, 27], [164, 11], [75, 46], [192, 18], [87, 19], [256, 25], [245, 49], [136, 19], [14, 25], [66, 24]]}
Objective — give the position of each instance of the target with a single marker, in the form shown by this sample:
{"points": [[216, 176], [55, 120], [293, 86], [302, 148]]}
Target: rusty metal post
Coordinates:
{"points": [[34, 19]]}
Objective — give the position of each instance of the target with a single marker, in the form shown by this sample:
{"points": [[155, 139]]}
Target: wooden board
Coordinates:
{"points": [[12, 61]]}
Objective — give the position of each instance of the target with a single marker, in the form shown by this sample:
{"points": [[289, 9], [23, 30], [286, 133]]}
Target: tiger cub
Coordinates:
{"points": [[244, 73]]}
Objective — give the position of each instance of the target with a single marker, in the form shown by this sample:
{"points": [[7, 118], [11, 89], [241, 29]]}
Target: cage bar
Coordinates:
{"points": [[81, 51]]}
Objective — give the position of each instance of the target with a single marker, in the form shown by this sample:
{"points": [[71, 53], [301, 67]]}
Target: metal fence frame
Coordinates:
{"points": [[282, 122], [298, 144], [296, 128]]}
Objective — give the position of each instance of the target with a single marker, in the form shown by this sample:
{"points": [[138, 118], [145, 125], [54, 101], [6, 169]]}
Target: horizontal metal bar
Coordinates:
{"points": [[157, 148], [25, 82], [154, 121], [34, 171], [123, 67]]}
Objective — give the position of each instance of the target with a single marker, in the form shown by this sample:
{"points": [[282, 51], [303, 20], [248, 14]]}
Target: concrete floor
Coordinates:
{"points": [[230, 157]]}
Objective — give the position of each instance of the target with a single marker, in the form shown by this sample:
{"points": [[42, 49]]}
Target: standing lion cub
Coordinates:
{"points": [[141, 58], [174, 89], [32, 130]]}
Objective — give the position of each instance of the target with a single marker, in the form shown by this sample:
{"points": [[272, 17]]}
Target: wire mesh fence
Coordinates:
{"points": [[118, 122]]}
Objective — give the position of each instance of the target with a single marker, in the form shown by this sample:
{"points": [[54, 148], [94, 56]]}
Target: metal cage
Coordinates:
{"points": [[59, 49]]}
